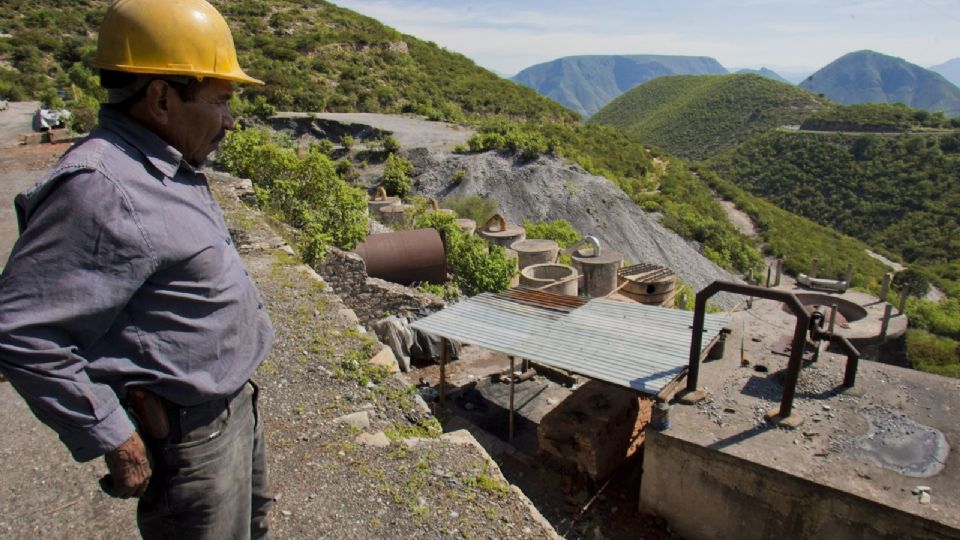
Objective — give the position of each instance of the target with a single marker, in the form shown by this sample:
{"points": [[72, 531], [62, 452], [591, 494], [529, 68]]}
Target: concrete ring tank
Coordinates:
{"points": [[847, 311], [535, 251], [554, 278]]}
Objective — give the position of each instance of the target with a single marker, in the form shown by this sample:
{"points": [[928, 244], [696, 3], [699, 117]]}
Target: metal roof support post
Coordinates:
{"points": [[692, 394], [443, 370], [512, 377]]}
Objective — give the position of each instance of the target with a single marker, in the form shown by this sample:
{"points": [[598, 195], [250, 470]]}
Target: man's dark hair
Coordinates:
{"points": [[186, 87]]}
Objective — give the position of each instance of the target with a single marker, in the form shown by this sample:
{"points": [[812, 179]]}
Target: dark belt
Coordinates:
{"points": [[162, 420]]}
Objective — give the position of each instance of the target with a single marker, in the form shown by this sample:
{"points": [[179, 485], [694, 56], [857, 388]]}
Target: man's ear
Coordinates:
{"points": [[157, 103]]}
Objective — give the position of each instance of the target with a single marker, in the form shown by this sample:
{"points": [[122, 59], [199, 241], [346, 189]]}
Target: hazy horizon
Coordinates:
{"points": [[792, 37]]}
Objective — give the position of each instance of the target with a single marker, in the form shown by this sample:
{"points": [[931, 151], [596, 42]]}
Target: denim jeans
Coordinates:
{"points": [[210, 473]]}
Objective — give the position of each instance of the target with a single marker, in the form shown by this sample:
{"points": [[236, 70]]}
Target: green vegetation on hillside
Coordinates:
{"points": [[900, 193], [304, 191], [314, 56], [798, 240], [877, 117], [698, 116]]}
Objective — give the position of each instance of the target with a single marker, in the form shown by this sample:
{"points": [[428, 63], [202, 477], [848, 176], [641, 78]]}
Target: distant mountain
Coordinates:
{"points": [[950, 70], [587, 83], [871, 77], [764, 72], [698, 116]]}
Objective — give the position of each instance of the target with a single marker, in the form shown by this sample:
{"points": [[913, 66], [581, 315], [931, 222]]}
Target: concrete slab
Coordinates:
{"points": [[864, 449]]}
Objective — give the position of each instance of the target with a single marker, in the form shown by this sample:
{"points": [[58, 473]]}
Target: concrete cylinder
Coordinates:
{"points": [[497, 231], [599, 272], [468, 226], [393, 215], [531, 252], [554, 278], [379, 201]]}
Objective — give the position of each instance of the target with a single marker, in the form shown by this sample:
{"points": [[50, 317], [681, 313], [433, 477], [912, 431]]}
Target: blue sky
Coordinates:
{"points": [[790, 36]]}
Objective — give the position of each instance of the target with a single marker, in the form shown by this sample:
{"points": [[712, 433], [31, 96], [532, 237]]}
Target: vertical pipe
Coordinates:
{"points": [[833, 317], [779, 271], [849, 276], [699, 314], [512, 377], [443, 370], [793, 365], [850, 375], [813, 268], [903, 301], [769, 270], [885, 288], [887, 309]]}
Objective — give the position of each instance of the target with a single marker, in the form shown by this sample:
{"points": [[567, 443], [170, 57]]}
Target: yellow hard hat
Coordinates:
{"points": [[168, 37]]}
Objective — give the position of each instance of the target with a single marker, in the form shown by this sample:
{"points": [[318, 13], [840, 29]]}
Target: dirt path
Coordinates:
{"points": [[739, 218]]}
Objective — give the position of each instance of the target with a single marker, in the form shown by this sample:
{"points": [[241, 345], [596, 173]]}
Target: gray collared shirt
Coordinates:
{"points": [[124, 274]]}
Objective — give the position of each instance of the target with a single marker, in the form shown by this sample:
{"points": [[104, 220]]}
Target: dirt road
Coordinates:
{"points": [[44, 493]]}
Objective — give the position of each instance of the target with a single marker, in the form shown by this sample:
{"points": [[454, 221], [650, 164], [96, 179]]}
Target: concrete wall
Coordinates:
{"points": [[370, 298], [707, 494]]}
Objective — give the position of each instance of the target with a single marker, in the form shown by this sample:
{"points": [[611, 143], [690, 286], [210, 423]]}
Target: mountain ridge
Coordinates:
{"points": [[586, 83], [870, 77]]}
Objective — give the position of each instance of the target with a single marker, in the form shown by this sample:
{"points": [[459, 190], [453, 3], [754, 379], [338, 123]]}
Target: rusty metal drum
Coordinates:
{"points": [[405, 257]]}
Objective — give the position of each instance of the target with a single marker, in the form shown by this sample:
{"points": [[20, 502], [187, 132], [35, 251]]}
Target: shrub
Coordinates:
{"points": [[396, 175], [472, 207], [933, 354], [476, 265], [390, 145], [559, 230], [305, 192]]}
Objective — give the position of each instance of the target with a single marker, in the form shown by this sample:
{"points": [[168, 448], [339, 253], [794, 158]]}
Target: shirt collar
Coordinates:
{"points": [[159, 153]]}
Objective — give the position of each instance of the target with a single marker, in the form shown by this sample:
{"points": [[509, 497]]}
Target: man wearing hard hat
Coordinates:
{"points": [[127, 321]]}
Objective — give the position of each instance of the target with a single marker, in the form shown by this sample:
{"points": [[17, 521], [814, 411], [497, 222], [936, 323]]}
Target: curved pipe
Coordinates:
{"points": [[433, 205], [381, 194], [592, 240], [796, 349], [496, 217]]}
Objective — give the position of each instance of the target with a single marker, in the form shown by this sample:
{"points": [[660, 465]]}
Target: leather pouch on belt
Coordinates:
{"points": [[150, 411]]}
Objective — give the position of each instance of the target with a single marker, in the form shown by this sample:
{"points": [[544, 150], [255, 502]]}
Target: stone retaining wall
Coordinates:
{"points": [[370, 298]]}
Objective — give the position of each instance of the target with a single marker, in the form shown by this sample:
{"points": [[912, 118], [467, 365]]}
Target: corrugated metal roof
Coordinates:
{"points": [[623, 343]]}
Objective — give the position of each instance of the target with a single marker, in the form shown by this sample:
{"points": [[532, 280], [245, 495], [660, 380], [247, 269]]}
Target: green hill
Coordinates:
{"points": [[764, 72], [586, 83], [898, 192], [699, 116], [314, 56], [871, 77]]}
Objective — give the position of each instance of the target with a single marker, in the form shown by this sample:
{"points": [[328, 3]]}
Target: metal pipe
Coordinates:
{"points": [[813, 267], [769, 270], [885, 288], [833, 316], [592, 240], [903, 300], [849, 276], [510, 435], [443, 370], [887, 312]]}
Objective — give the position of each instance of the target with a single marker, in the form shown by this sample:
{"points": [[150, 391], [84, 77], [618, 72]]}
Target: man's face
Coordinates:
{"points": [[196, 127]]}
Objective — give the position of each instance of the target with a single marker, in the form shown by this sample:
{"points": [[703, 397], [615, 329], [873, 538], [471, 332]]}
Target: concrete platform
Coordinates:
{"points": [[851, 469]]}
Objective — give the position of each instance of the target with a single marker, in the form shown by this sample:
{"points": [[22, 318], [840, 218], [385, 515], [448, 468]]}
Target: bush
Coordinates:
{"points": [[559, 230], [472, 207], [476, 265], [305, 192], [933, 354], [390, 145], [396, 175]]}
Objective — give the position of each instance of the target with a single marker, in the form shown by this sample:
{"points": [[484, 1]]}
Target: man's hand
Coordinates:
{"points": [[129, 469]]}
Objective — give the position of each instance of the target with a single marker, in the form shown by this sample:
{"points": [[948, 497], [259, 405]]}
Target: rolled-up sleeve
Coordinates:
{"points": [[80, 259]]}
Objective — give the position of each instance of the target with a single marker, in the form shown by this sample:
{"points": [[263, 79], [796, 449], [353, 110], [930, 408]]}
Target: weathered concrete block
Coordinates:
{"points": [[594, 430]]}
